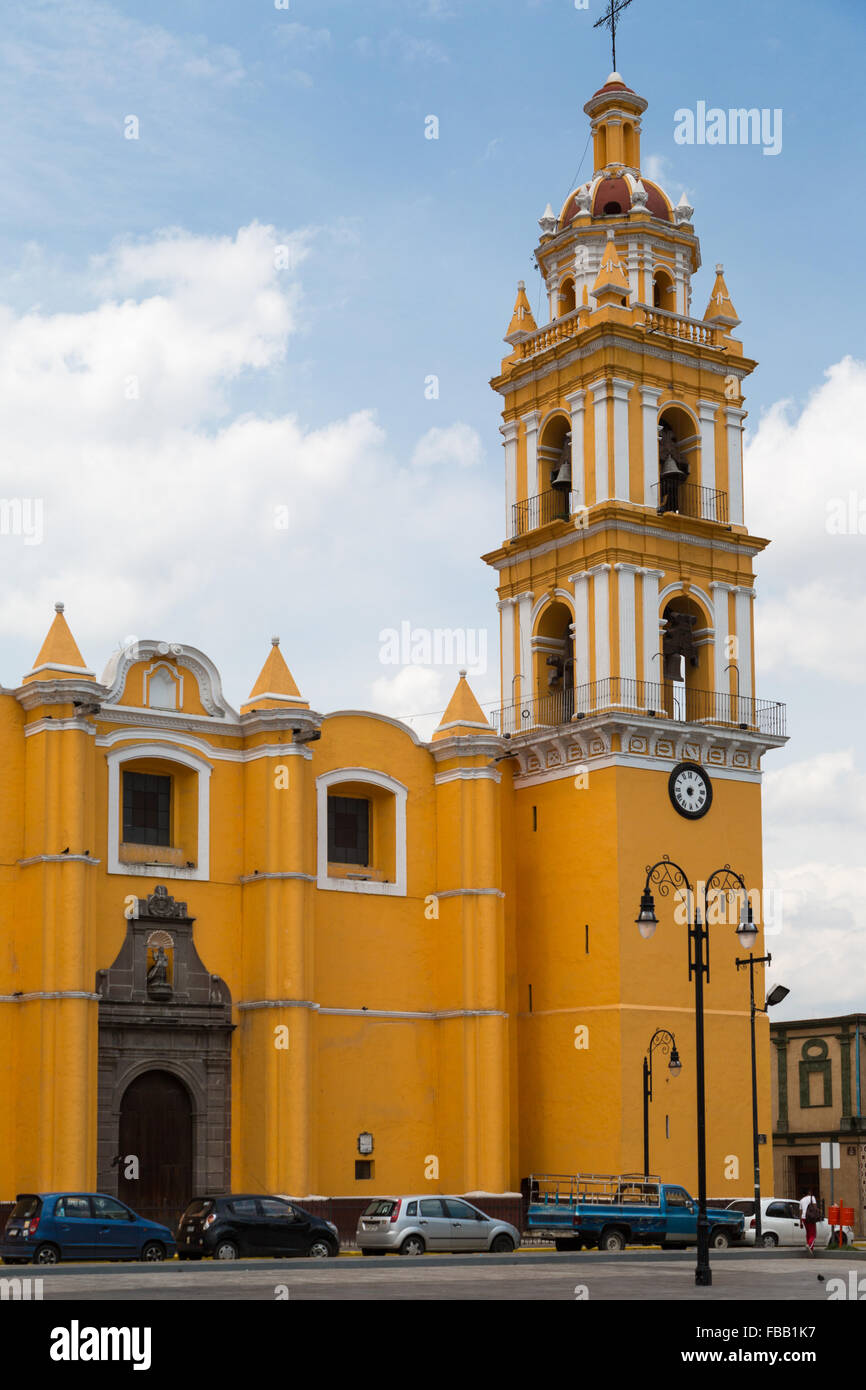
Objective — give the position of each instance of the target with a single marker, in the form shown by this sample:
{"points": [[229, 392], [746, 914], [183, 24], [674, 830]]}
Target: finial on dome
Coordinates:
{"points": [[59, 607], [462, 675], [720, 269], [275, 641], [547, 222]]}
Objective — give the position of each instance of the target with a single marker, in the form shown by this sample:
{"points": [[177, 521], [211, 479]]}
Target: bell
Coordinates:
{"points": [[671, 470], [562, 477]]}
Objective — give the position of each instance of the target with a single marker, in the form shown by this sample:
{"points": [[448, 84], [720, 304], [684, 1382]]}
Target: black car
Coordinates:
{"points": [[231, 1227]]}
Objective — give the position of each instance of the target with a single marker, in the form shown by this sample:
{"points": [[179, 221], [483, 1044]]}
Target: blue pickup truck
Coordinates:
{"points": [[611, 1211]]}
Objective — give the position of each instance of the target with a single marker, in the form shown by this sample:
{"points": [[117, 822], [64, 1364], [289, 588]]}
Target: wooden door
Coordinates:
{"points": [[156, 1127]]}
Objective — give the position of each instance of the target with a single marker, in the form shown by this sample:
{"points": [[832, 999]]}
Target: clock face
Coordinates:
{"points": [[691, 790]]}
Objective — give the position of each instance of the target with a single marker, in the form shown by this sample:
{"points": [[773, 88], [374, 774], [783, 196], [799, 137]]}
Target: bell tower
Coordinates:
{"points": [[626, 591]]}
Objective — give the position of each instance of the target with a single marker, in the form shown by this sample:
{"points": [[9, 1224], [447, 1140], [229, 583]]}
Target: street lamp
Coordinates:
{"points": [[775, 996], [666, 1041], [667, 875]]}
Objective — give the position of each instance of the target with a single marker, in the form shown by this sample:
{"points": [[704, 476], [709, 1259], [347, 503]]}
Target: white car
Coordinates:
{"points": [[781, 1223]]}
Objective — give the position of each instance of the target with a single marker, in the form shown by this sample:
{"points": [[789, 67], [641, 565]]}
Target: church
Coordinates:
{"points": [[274, 949]]}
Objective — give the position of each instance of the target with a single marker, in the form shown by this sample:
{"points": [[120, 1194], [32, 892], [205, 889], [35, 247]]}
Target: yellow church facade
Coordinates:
{"points": [[273, 949]]}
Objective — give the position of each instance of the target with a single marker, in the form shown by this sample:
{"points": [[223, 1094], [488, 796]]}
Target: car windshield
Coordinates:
{"points": [[379, 1208], [25, 1207]]}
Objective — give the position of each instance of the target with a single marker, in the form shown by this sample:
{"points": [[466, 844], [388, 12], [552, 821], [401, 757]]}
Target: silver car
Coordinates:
{"points": [[414, 1225]]}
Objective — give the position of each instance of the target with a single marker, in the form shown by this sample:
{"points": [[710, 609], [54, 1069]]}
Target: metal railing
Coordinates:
{"points": [[556, 1189], [553, 505], [689, 499], [662, 701]]}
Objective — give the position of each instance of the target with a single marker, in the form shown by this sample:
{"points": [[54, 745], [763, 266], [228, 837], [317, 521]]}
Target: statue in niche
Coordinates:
{"points": [[158, 984]]}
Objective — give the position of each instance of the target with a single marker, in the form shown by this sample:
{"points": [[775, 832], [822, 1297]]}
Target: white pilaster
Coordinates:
{"points": [[720, 641], [734, 418], [530, 426], [509, 432], [652, 661], [621, 487], [599, 396], [650, 397], [743, 616], [506, 641], [627, 634], [601, 576], [576, 404], [707, 411], [524, 612], [581, 627]]}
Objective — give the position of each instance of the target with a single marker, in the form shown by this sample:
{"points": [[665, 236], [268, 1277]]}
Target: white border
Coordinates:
{"points": [[115, 761], [375, 779]]}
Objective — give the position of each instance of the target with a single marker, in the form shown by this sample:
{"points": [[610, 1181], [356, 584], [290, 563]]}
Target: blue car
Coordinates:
{"points": [[50, 1226]]}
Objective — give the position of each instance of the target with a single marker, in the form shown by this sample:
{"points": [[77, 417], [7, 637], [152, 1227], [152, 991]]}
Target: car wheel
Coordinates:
{"points": [[153, 1252], [719, 1240], [46, 1255], [226, 1250], [502, 1245], [612, 1240], [413, 1245], [769, 1239], [322, 1249]]}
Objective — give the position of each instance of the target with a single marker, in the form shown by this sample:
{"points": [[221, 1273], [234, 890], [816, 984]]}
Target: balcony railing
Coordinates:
{"points": [[688, 499], [679, 326], [647, 698], [655, 321], [553, 505]]}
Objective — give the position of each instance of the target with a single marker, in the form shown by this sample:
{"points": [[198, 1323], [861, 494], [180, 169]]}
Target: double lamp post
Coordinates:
{"points": [[668, 876]]}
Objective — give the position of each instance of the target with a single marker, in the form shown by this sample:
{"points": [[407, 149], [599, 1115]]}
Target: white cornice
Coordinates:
{"points": [[468, 774], [631, 528]]}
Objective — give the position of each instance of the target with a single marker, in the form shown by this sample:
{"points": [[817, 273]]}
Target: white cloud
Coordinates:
{"points": [[459, 444], [802, 470], [168, 511]]}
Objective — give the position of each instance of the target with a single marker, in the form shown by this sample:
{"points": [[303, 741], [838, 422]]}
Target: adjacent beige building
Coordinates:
{"points": [[818, 1069]]}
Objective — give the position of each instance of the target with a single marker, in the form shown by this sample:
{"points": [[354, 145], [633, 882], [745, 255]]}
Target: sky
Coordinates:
{"points": [[231, 263]]}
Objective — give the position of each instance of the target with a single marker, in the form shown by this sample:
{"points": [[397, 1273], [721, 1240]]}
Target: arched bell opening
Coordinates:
{"points": [[664, 291], [553, 655], [567, 298], [554, 468], [679, 462], [686, 660]]}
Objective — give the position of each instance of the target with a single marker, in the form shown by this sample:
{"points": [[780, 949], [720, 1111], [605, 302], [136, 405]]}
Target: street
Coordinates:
{"points": [[636, 1275]]}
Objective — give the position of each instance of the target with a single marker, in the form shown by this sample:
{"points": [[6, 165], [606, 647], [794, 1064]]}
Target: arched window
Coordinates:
{"points": [[686, 660], [664, 291], [678, 444], [567, 300], [158, 811], [361, 817], [553, 659], [554, 471]]}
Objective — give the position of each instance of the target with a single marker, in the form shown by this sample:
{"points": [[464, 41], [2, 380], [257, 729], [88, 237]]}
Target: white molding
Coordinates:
{"points": [[677, 588], [204, 671], [469, 893], [259, 878], [506, 647], [115, 761], [48, 994], [647, 529], [468, 774], [601, 607], [57, 859], [56, 726], [621, 390], [58, 666], [660, 766], [397, 889], [210, 751], [599, 391], [176, 678], [627, 629]]}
